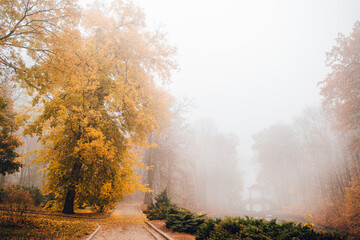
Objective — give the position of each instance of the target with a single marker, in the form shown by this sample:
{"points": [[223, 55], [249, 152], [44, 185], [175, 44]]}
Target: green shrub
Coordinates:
{"points": [[182, 220], [207, 228], [48, 201], [37, 196], [178, 219], [160, 209], [259, 229]]}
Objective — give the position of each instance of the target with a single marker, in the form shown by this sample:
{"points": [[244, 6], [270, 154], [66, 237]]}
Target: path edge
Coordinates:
{"points": [[159, 231], [155, 228], [95, 232]]}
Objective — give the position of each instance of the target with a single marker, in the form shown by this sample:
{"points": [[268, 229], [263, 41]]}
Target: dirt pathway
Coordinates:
{"points": [[126, 222]]}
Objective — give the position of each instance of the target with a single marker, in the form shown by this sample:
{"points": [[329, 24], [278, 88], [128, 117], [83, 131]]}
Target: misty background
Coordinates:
{"points": [[250, 64]]}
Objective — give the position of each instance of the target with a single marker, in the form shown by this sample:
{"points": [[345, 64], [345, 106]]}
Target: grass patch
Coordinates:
{"points": [[34, 227]]}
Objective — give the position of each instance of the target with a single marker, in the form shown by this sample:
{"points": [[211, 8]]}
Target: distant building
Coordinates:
{"points": [[257, 201]]}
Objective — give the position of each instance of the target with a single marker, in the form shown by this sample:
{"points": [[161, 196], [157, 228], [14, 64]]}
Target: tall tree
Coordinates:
{"points": [[99, 100], [341, 92]]}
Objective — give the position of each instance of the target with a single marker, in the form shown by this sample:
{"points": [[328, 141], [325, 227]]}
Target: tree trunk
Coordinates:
{"points": [[69, 201], [148, 199], [71, 191]]}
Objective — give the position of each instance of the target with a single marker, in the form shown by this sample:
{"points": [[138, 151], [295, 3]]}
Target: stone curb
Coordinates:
{"points": [[155, 228], [95, 232], [159, 231], [151, 232]]}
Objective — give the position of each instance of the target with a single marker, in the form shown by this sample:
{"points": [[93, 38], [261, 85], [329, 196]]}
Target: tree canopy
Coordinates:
{"points": [[341, 87], [95, 99], [27, 25]]}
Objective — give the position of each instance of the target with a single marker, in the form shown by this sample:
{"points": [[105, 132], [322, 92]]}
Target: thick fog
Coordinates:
{"points": [[250, 64]]}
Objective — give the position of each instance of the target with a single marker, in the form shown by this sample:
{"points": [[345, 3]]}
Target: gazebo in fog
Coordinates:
{"points": [[256, 201]]}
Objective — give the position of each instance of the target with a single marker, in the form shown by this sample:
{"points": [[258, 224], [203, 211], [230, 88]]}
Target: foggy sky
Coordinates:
{"points": [[250, 64]]}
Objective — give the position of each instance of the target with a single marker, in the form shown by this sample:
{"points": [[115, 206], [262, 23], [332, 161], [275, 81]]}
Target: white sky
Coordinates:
{"points": [[250, 64]]}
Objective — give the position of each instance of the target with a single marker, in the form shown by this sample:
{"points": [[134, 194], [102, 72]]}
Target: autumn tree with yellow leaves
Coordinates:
{"points": [[96, 98], [341, 92]]}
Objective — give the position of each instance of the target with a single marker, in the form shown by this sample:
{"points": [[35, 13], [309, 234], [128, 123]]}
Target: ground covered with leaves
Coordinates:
{"points": [[43, 227]]}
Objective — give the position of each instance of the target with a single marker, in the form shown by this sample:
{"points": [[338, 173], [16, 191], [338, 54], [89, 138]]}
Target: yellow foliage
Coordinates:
{"points": [[99, 100], [352, 206], [308, 219]]}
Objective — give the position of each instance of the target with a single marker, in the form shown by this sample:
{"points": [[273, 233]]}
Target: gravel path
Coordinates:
{"points": [[126, 222]]}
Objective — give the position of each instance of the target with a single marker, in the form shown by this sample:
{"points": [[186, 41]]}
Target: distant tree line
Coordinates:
{"points": [[313, 164], [197, 164]]}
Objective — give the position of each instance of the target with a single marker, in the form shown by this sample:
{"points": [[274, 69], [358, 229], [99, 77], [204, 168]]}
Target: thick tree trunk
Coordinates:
{"points": [[71, 191], [69, 201]]}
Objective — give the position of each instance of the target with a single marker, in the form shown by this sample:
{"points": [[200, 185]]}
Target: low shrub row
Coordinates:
{"points": [[182, 220], [178, 219], [259, 229]]}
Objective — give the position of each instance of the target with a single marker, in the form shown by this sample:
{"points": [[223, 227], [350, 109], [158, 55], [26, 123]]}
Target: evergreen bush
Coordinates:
{"points": [[160, 209], [182, 220], [259, 229], [37, 196]]}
